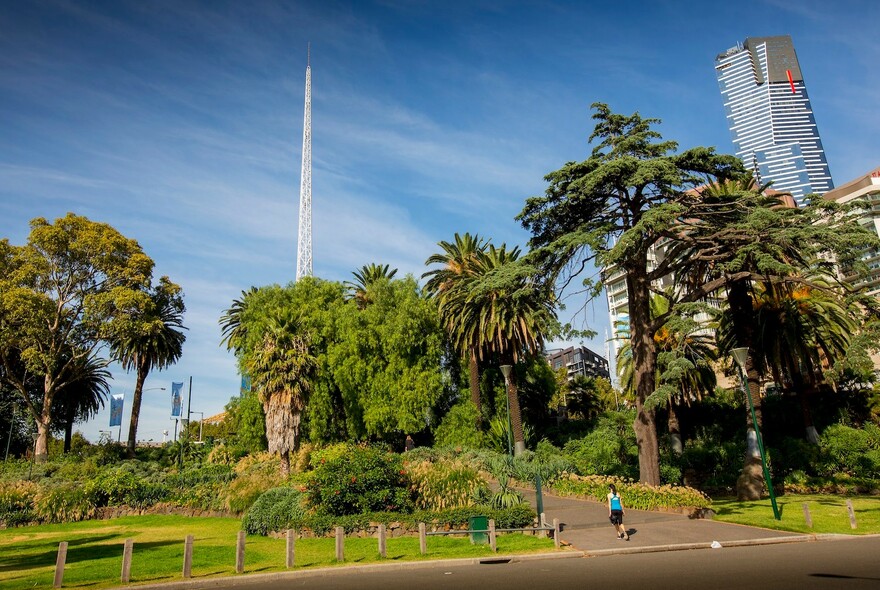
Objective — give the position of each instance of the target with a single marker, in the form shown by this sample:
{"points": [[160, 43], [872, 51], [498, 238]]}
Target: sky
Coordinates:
{"points": [[180, 124]]}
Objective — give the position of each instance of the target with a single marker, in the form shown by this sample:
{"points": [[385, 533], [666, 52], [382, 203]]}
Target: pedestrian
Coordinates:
{"points": [[615, 512], [408, 444]]}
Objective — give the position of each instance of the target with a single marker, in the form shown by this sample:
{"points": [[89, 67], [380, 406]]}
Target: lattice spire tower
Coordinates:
{"points": [[304, 246]]}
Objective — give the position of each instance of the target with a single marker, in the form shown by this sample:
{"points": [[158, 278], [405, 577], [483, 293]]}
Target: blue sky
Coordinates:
{"points": [[180, 124]]}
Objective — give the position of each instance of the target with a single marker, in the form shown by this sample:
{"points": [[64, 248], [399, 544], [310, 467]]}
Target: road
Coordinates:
{"points": [[850, 563]]}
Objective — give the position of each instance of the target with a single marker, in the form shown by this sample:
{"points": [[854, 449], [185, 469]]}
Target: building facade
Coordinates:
{"points": [[865, 189], [579, 360], [770, 117]]}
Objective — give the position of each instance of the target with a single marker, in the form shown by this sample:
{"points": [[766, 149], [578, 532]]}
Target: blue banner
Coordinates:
{"points": [[245, 383], [116, 402], [176, 388]]}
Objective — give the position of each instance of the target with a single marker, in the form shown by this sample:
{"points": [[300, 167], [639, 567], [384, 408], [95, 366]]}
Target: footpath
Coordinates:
{"points": [[585, 527]]}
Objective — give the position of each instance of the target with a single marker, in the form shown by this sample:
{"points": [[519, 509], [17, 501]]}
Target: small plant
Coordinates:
{"points": [[506, 496], [17, 502], [66, 503], [445, 484]]}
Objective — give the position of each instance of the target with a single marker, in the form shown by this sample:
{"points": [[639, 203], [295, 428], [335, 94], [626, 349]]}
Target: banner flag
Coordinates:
{"points": [[175, 398], [116, 402], [245, 383]]}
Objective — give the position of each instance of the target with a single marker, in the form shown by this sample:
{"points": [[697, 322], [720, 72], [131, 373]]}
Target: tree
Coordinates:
{"points": [[366, 277], [82, 397], [509, 313], [736, 234], [460, 264], [280, 369], [61, 295], [151, 338], [610, 210]]}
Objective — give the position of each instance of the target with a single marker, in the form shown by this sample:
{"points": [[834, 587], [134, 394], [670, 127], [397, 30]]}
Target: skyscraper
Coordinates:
{"points": [[770, 117]]}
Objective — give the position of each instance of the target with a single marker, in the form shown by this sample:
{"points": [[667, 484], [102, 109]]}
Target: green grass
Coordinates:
{"points": [[829, 513], [94, 555]]}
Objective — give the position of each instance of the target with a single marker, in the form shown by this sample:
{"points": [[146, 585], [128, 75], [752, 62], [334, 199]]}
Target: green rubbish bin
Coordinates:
{"points": [[479, 523]]}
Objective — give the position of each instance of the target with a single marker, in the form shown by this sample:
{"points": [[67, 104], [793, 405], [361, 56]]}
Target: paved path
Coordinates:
{"points": [[586, 527]]}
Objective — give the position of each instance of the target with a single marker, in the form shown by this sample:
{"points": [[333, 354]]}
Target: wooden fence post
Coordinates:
{"points": [[852, 514], [340, 544], [126, 561], [542, 534], [556, 532], [239, 553], [492, 539], [807, 517], [59, 564], [188, 556], [291, 547], [382, 546], [423, 539]]}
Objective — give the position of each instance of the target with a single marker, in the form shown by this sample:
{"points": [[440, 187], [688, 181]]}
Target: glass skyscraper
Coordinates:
{"points": [[770, 117]]}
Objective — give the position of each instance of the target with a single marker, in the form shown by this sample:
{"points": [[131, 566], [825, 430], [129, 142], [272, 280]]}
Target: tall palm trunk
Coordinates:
{"points": [[675, 431], [750, 483], [519, 444], [474, 382]]}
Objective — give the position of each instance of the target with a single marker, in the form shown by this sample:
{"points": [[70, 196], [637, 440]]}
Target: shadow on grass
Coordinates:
{"points": [[78, 550]]}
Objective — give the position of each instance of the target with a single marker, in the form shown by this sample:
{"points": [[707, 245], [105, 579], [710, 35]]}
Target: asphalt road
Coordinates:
{"points": [[849, 563]]}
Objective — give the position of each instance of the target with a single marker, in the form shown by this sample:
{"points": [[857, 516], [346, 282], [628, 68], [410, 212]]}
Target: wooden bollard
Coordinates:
{"points": [[493, 542], [340, 544], [188, 556], [556, 532], [383, 550], [807, 517], [239, 553], [852, 514], [542, 534], [59, 564], [423, 539], [291, 547], [126, 561]]}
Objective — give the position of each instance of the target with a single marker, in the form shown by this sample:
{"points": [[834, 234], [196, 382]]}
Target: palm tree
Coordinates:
{"points": [[364, 278], [82, 398], [509, 314], [281, 369], [155, 341], [448, 285], [231, 327]]}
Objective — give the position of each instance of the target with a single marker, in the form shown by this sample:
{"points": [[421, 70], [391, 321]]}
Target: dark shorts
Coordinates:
{"points": [[616, 517]]}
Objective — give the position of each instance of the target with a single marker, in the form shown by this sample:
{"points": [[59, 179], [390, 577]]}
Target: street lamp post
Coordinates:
{"points": [[11, 427], [740, 355], [201, 420], [505, 370]]}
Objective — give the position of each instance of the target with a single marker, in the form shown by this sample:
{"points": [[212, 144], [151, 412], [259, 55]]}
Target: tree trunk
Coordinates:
{"points": [[515, 415], [675, 431], [474, 382], [285, 464], [644, 367], [41, 449], [750, 483], [142, 371], [68, 427]]}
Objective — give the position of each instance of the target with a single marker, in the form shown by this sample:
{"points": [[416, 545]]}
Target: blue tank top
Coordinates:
{"points": [[615, 503]]}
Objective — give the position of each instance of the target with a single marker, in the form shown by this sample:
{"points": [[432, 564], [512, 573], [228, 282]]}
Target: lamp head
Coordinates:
{"points": [[505, 370], [740, 355]]}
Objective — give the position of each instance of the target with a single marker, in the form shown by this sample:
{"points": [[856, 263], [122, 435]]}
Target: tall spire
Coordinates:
{"points": [[304, 246]]}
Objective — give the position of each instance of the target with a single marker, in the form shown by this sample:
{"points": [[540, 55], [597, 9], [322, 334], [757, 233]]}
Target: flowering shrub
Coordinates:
{"points": [[358, 479], [635, 495]]}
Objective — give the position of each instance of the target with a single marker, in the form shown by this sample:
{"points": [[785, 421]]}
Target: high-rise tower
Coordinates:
{"points": [[304, 246], [770, 117]]}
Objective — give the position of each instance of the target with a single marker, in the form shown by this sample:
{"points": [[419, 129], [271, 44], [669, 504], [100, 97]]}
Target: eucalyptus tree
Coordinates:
{"points": [[62, 295], [610, 211], [151, 338], [459, 266]]}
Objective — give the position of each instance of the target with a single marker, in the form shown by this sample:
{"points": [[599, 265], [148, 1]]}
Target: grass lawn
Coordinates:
{"points": [[829, 513], [94, 554]]}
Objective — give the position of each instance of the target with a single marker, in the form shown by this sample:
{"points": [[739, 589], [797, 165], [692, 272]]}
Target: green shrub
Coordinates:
{"points": [[66, 503], [17, 502], [254, 475], [360, 479], [444, 484], [457, 429], [113, 486], [610, 448], [277, 509], [635, 495], [848, 450]]}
